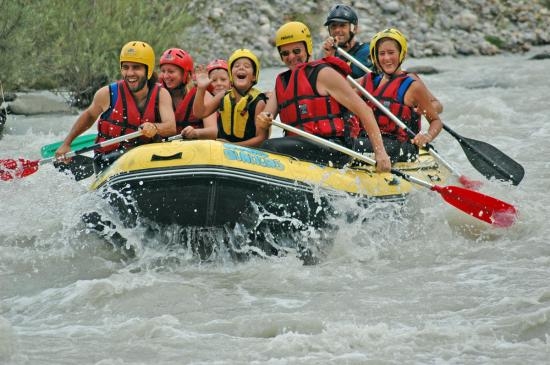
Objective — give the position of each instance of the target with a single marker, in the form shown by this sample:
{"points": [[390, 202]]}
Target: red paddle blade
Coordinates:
{"points": [[469, 184], [480, 206], [12, 169]]}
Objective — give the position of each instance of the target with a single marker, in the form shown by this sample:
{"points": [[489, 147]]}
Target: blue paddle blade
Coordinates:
{"points": [[80, 142]]}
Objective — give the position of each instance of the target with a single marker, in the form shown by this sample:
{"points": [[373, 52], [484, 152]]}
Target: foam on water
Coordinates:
{"points": [[417, 283]]}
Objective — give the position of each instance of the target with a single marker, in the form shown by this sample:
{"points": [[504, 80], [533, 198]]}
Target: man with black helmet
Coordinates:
{"points": [[342, 27]]}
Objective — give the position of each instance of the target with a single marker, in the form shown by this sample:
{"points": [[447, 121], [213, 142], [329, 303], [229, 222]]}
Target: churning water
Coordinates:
{"points": [[422, 285]]}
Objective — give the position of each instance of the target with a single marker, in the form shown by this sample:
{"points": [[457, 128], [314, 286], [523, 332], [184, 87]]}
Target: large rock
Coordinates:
{"points": [[40, 102], [541, 56], [425, 70]]}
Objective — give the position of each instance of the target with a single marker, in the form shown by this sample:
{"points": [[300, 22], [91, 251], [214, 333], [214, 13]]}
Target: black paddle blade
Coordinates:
{"points": [[80, 166], [489, 160]]}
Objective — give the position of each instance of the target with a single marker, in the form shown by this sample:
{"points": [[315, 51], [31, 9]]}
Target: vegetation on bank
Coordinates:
{"points": [[74, 46], [52, 44]]}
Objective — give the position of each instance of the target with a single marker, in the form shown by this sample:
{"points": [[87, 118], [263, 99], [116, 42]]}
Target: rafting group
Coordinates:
{"points": [[355, 102], [220, 100]]}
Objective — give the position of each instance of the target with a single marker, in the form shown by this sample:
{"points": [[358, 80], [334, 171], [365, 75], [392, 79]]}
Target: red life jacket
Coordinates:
{"points": [[184, 112], [123, 116], [392, 96], [301, 106]]}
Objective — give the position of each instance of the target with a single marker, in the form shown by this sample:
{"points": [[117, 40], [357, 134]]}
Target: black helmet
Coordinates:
{"points": [[343, 14]]}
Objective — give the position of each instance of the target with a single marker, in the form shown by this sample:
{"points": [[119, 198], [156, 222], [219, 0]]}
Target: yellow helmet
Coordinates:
{"points": [[294, 32], [246, 53], [139, 52], [388, 33]]}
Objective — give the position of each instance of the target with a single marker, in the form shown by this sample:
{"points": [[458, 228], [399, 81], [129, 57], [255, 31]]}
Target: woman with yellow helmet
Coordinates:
{"points": [[403, 94], [314, 96], [135, 102], [237, 108]]}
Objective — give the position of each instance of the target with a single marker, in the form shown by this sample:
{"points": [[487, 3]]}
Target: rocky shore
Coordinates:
{"points": [[433, 28]]}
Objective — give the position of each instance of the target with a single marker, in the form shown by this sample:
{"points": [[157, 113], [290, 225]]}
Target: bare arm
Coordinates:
{"points": [[264, 118], [209, 131], [205, 104], [262, 133], [330, 82], [418, 96], [433, 100], [86, 119], [167, 125]]}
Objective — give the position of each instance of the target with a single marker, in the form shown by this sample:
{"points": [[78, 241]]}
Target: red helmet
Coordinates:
{"points": [[177, 57], [215, 64]]}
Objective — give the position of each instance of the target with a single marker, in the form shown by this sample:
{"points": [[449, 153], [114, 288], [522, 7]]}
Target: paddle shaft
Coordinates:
{"points": [[95, 146], [3, 98], [348, 152]]}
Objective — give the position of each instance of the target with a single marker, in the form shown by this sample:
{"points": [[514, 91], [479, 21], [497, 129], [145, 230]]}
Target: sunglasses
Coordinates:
{"points": [[296, 51]]}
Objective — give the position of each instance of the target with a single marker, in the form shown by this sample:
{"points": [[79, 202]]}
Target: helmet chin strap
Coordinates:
{"points": [[242, 93], [180, 87], [351, 33], [392, 75]]}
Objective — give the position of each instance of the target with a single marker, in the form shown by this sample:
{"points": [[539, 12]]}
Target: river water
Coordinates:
{"points": [[424, 286]]}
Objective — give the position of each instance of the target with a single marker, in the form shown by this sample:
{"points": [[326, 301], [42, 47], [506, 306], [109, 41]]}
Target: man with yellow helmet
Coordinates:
{"points": [[238, 107], [314, 96], [135, 102], [404, 95]]}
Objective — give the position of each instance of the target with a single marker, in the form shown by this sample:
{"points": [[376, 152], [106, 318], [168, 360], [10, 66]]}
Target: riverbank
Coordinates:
{"points": [[433, 28], [48, 102]]}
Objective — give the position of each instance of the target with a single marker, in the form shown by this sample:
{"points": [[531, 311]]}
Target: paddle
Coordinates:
{"points": [[485, 158], [18, 168], [80, 166], [79, 142], [489, 160], [480, 206]]}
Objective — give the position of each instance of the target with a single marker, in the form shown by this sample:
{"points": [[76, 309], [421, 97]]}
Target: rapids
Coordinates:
{"points": [[420, 285]]}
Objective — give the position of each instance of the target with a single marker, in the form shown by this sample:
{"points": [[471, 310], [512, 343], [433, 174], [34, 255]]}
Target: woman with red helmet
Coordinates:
{"points": [[176, 75]]}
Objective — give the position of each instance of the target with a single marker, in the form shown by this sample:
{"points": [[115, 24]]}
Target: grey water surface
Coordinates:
{"points": [[422, 285]]}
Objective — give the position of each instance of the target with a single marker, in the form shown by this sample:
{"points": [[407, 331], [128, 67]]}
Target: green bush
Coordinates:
{"points": [[494, 40], [75, 47]]}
